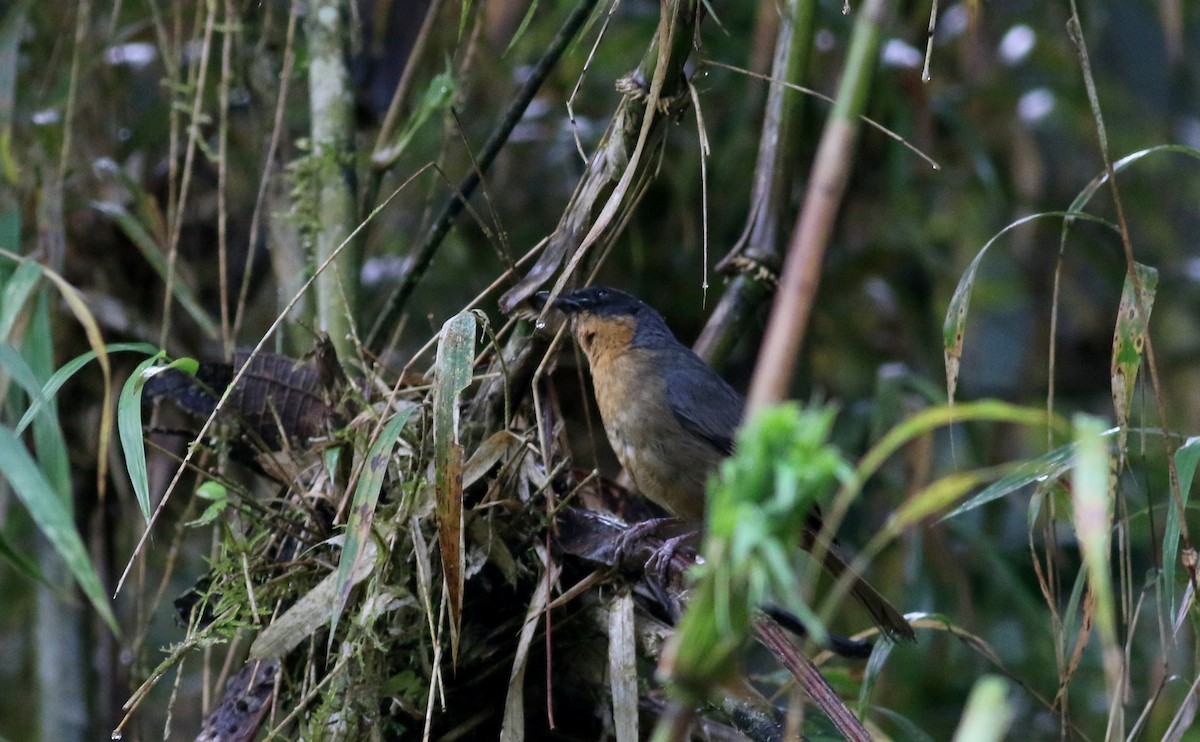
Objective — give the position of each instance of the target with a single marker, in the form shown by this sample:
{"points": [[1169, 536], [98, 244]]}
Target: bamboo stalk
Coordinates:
{"points": [[332, 111], [758, 254], [802, 271]]}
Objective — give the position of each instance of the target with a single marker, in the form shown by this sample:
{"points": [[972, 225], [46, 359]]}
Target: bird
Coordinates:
{"points": [[671, 418]]}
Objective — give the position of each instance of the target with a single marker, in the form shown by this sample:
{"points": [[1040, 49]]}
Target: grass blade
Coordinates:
{"points": [[362, 510], [69, 369], [53, 519], [1187, 457], [1091, 491], [148, 247], [129, 423]]}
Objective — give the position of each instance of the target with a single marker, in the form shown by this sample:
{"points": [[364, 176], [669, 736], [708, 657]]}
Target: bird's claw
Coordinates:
{"points": [[631, 541], [631, 544], [660, 560]]}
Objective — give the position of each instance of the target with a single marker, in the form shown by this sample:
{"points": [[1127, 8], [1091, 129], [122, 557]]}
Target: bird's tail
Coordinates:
{"points": [[884, 614]]}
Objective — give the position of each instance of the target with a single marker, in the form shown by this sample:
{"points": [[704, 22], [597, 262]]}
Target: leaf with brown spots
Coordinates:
{"points": [[1129, 337], [452, 374]]}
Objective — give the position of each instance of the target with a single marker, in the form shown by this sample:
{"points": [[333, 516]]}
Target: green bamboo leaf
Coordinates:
{"points": [[362, 509], [17, 290], [1045, 467], [18, 369], [1091, 492], [49, 443], [1129, 337], [53, 519], [533, 6], [150, 250], [91, 328], [1092, 187], [1187, 457], [129, 422], [437, 98], [452, 369], [1072, 609], [935, 417], [69, 369], [955, 323], [989, 711], [875, 664], [129, 425], [934, 497]]}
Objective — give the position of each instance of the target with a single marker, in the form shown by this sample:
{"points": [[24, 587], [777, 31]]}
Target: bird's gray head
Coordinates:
{"points": [[606, 320]]}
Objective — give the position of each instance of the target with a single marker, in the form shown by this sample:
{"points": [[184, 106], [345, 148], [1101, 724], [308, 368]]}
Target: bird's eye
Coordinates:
{"points": [[588, 337], [601, 294]]}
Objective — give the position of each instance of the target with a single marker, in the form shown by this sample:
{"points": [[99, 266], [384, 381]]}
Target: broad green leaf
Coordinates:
{"points": [[455, 354], [218, 499], [53, 519], [362, 509], [1186, 458], [1129, 337]]}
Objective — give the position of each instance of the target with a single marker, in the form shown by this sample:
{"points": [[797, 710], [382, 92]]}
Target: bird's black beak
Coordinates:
{"points": [[564, 302]]}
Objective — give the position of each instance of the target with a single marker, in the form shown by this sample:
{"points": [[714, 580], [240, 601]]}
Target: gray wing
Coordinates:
{"points": [[703, 403]]}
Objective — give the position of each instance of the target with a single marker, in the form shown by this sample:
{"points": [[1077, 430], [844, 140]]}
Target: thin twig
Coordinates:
{"points": [[810, 679], [487, 155], [285, 78]]}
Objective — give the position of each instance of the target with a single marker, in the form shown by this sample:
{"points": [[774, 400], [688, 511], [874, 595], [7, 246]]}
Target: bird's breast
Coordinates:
{"points": [[666, 462]]}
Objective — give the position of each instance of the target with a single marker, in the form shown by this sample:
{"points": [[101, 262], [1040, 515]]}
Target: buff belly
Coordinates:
{"points": [[667, 465]]}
